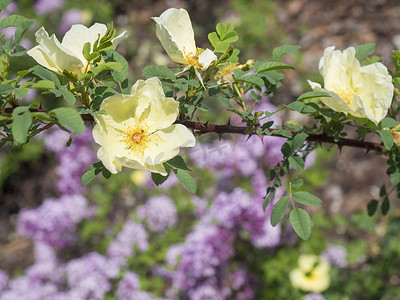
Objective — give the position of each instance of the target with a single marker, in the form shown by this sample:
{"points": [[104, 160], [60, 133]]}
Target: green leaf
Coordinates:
{"points": [[44, 85], [388, 122], [114, 66], [214, 39], [186, 180], [385, 206], [365, 50], [5, 89], [20, 126], [279, 210], [67, 95], [158, 178], [89, 176], [159, 71], [371, 207], [178, 163], [387, 138], [283, 50], [296, 106], [298, 141], [307, 199], [13, 21], [313, 94], [68, 117], [87, 48], [4, 4], [269, 198], [395, 178], [46, 74], [21, 29], [282, 132], [297, 183], [272, 65], [296, 162], [301, 223], [112, 55]]}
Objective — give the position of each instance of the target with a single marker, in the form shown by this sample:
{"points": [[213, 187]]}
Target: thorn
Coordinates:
{"points": [[229, 121], [261, 138], [248, 137], [340, 148], [219, 136]]}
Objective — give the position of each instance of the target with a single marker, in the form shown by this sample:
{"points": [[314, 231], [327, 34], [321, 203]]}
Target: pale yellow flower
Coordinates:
{"points": [[396, 134], [362, 91], [312, 274], [138, 131], [175, 32], [67, 55]]}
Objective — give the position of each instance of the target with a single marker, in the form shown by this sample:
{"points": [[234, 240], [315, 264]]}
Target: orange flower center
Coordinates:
{"points": [[136, 138]]}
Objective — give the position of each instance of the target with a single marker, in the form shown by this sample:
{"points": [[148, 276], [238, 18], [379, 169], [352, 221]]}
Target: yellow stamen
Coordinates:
{"points": [[347, 95], [192, 58], [136, 138]]}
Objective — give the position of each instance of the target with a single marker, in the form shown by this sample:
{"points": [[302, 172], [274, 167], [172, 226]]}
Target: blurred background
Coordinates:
{"points": [[126, 239]]}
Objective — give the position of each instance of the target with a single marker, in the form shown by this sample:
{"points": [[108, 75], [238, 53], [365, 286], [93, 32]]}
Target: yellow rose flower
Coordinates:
{"points": [[362, 91], [138, 131], [67, 55], [175, 32], [312, 275]]}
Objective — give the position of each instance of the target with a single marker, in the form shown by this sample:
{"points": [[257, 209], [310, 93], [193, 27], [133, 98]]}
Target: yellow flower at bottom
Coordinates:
{"points": [[138, 131], [312, 275]]}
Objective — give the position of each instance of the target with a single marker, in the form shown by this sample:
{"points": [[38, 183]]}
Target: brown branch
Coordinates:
{"points": [[320, 138], [200, 127]]}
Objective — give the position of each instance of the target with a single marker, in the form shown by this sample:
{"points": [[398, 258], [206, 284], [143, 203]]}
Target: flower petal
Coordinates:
{"points": [[206, 58], [175, 32], [53, 55], [167, 144], [79, 35]]}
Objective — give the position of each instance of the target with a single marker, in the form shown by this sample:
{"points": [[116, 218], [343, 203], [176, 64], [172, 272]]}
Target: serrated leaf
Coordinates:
{"points": [[69, 118], [214, 39], [365, 50], [44, 85], [296, 162], [279, 210], [395, 178], [159, 71], [301, 223], [283, 50], [296, 106], [12, 21], [178, 163], [186, 180], [298, 141], [46, 74], [387, 138], [282, 132], [5, 89], [306, 198], [20, 126], [297, 183], [388, 122], [313, 94], [385, 206], [382, 191], [21, 29], [67, 95], [269, 198], [121, 75], [371, 207]]}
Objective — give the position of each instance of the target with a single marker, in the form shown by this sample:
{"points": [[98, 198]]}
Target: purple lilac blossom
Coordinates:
{"points": [[335, 255], [27, 288], [314, 296], [90, 275], [206, 292], [47, 6], [238, 211], [3, 280], [206, 252], [45, 266], [159, 213], [128, 285], [132, 234], [69, 18], [73, 161], [241, 285], [54, 221]]}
